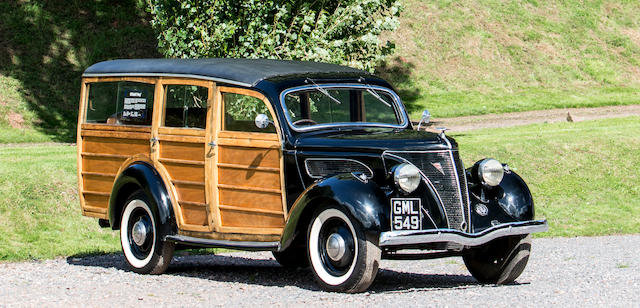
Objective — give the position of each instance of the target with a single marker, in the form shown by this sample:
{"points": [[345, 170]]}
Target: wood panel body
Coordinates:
{"points": [[249, 178]]}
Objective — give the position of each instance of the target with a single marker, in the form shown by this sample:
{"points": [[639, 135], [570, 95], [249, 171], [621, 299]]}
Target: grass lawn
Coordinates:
{"points": [[583, 177]]}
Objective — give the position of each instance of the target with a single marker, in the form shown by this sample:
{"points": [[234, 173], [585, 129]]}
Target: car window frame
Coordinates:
{"points": [[397, 104]]}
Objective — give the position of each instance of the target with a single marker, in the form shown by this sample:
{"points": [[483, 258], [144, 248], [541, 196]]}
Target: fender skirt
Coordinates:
{"points": [[364, 200], [141, 175]]}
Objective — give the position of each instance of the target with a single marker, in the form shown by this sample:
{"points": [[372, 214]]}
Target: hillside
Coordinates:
{"points": [[471, 57], [453, 57]]}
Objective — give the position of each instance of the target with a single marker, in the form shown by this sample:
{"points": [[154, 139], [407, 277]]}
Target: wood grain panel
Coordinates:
{"points": [[116, 127], [194, 214], [185, 172], [182, 150], [97, 183], [249, 178], [251, 199], [120, 146], [234, 218], [96, 201], [102, 164], [181, 131], [249, 156], [190, 192]]}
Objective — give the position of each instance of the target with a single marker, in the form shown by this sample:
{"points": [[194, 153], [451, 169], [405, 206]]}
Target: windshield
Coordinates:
{"points": [[318, 105]]}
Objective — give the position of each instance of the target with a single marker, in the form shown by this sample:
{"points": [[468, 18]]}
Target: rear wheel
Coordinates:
{"points": [[500, 261], [341, 257], [142, 246]]}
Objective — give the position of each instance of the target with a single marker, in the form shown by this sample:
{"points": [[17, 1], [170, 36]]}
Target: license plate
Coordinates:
{"points": [[406, 214]]}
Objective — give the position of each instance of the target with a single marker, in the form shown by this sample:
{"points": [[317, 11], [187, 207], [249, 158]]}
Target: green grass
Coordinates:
{"points": [[472, 57], [583, 175], [39, 211]]}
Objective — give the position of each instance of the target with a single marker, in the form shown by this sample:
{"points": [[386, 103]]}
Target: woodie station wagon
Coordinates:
{"points": [[315, 162]]}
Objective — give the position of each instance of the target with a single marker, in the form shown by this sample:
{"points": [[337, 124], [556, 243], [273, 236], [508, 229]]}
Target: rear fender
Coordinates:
{"points": [[142, 175]]}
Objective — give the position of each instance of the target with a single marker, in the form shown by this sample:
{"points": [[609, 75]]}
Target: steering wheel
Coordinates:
{"points": [[307, 121]]}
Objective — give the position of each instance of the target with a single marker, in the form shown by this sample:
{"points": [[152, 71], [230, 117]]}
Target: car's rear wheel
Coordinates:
{"points": [[341, 257], [142, 246], [500, 261]]}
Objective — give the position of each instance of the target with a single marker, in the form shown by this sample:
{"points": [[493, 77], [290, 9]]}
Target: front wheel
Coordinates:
{"points": [[142, 246], [342, 258], [500, 261]]}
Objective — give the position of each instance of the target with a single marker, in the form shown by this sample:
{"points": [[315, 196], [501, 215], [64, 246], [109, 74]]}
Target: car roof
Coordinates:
{"points": [[243, 72]]}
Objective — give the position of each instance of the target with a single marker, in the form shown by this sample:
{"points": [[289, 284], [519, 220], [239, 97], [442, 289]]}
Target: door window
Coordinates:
{"points": [[240, 112], [186, 106]]}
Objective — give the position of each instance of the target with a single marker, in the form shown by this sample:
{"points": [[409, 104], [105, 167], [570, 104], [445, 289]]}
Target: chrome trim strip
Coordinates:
{"points": [[397, 238], [425, 178], [223, 243], [306, 165], [396, 99], [233, 82]]}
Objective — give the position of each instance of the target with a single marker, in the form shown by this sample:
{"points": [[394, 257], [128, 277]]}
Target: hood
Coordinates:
{"points": [[371, 140]]}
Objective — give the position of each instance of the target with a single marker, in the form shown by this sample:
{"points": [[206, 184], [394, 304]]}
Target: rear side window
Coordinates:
{"points": [[186, 106], [121, 102]]}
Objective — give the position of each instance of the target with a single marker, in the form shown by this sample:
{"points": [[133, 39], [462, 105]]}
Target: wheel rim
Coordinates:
{"points": [[332, 246], [137, 233]]}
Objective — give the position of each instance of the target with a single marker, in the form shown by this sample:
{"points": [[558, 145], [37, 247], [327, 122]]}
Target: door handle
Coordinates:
{"points": [[211, 144], [153, 140]]}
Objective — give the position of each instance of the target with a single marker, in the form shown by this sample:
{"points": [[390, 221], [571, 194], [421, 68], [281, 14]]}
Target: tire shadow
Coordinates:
{"points": [[267, 272]]}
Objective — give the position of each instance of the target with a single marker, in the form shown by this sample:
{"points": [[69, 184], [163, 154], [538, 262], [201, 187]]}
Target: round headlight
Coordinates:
{"points": [[490, 171], [406, 177]]}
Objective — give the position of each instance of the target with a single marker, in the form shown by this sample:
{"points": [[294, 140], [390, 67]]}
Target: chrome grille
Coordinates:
{"points": [[442, 169], [323, 167]]}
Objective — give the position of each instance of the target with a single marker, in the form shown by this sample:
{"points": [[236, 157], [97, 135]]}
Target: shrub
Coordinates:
{"points": [[342, 32]]}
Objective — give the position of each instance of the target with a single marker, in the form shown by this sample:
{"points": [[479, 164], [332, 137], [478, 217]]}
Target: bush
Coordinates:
{"points": [[342, 32]]}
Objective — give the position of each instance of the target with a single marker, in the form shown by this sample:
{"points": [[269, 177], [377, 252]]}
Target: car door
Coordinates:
{"points": [[248, 172]]}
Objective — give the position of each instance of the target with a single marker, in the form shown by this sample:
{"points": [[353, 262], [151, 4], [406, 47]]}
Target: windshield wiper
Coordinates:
{"points": [[376, 95], [325, 92]]}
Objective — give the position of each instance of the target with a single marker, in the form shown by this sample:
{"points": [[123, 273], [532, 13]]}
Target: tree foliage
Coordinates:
{"points": [[336, 31]]}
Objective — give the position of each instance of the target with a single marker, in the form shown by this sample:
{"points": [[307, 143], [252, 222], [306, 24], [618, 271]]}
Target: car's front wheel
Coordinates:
{"points": [[142, 246], [342, 258], [500, 261]]}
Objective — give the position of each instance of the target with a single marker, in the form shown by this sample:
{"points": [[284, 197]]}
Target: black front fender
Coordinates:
{"points": [[364, 200], [142, 175], [511, 201]]}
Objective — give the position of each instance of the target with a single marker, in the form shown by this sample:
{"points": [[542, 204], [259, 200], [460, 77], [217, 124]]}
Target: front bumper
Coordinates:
{"points": [[400, 238]]}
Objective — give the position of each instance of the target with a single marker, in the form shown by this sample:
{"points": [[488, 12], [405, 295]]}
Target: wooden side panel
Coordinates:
{"points": [[104, 149], [254, 157], [249, 178], [183, 157], [245, 219], [248, 198]]}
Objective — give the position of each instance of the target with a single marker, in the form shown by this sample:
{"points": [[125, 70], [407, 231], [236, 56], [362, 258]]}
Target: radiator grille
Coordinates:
{"points": [[322, 167], [440, 169]]}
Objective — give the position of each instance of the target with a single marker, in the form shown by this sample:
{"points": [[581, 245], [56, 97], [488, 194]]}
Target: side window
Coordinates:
{"points": [[186, 106], [122, 102], [240, 112]]}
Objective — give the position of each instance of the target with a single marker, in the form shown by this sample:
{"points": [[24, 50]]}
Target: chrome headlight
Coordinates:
{"points": [[406, 177], [490, 171]]}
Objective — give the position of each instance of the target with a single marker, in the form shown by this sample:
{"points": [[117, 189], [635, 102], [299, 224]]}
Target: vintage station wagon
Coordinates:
{"points": [[315, 162]]}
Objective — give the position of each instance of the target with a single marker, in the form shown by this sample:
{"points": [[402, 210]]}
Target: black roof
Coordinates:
{"points": [[245, 72]]}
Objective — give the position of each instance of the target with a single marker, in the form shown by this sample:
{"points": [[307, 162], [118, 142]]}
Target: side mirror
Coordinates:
{"points": [[426, 117], [262, 121]]}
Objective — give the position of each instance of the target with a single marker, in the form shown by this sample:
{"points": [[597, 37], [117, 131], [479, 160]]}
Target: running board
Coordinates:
{"points": [[270, 246]]}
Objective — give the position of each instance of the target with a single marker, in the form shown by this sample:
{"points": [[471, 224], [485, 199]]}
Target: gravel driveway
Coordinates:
{"points": [[595, 271]]}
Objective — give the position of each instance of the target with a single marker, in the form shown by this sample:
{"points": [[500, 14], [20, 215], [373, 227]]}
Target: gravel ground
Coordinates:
{"points": [[594, 271]]}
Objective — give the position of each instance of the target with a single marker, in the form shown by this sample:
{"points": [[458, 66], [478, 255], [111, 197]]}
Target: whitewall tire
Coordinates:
{"points": [[142, 246], [342, 259]]}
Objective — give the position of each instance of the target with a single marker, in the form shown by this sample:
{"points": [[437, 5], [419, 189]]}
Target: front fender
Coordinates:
{"points": [[364, 200], [511, 201], [142, 175]]}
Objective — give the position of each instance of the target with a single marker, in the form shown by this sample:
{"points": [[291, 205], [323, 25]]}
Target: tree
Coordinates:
{"points": [[339, 31]]}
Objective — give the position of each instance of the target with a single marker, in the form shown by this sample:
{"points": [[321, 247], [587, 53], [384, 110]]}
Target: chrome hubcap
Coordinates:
{"points": [[139, 232], [336, 247]]}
